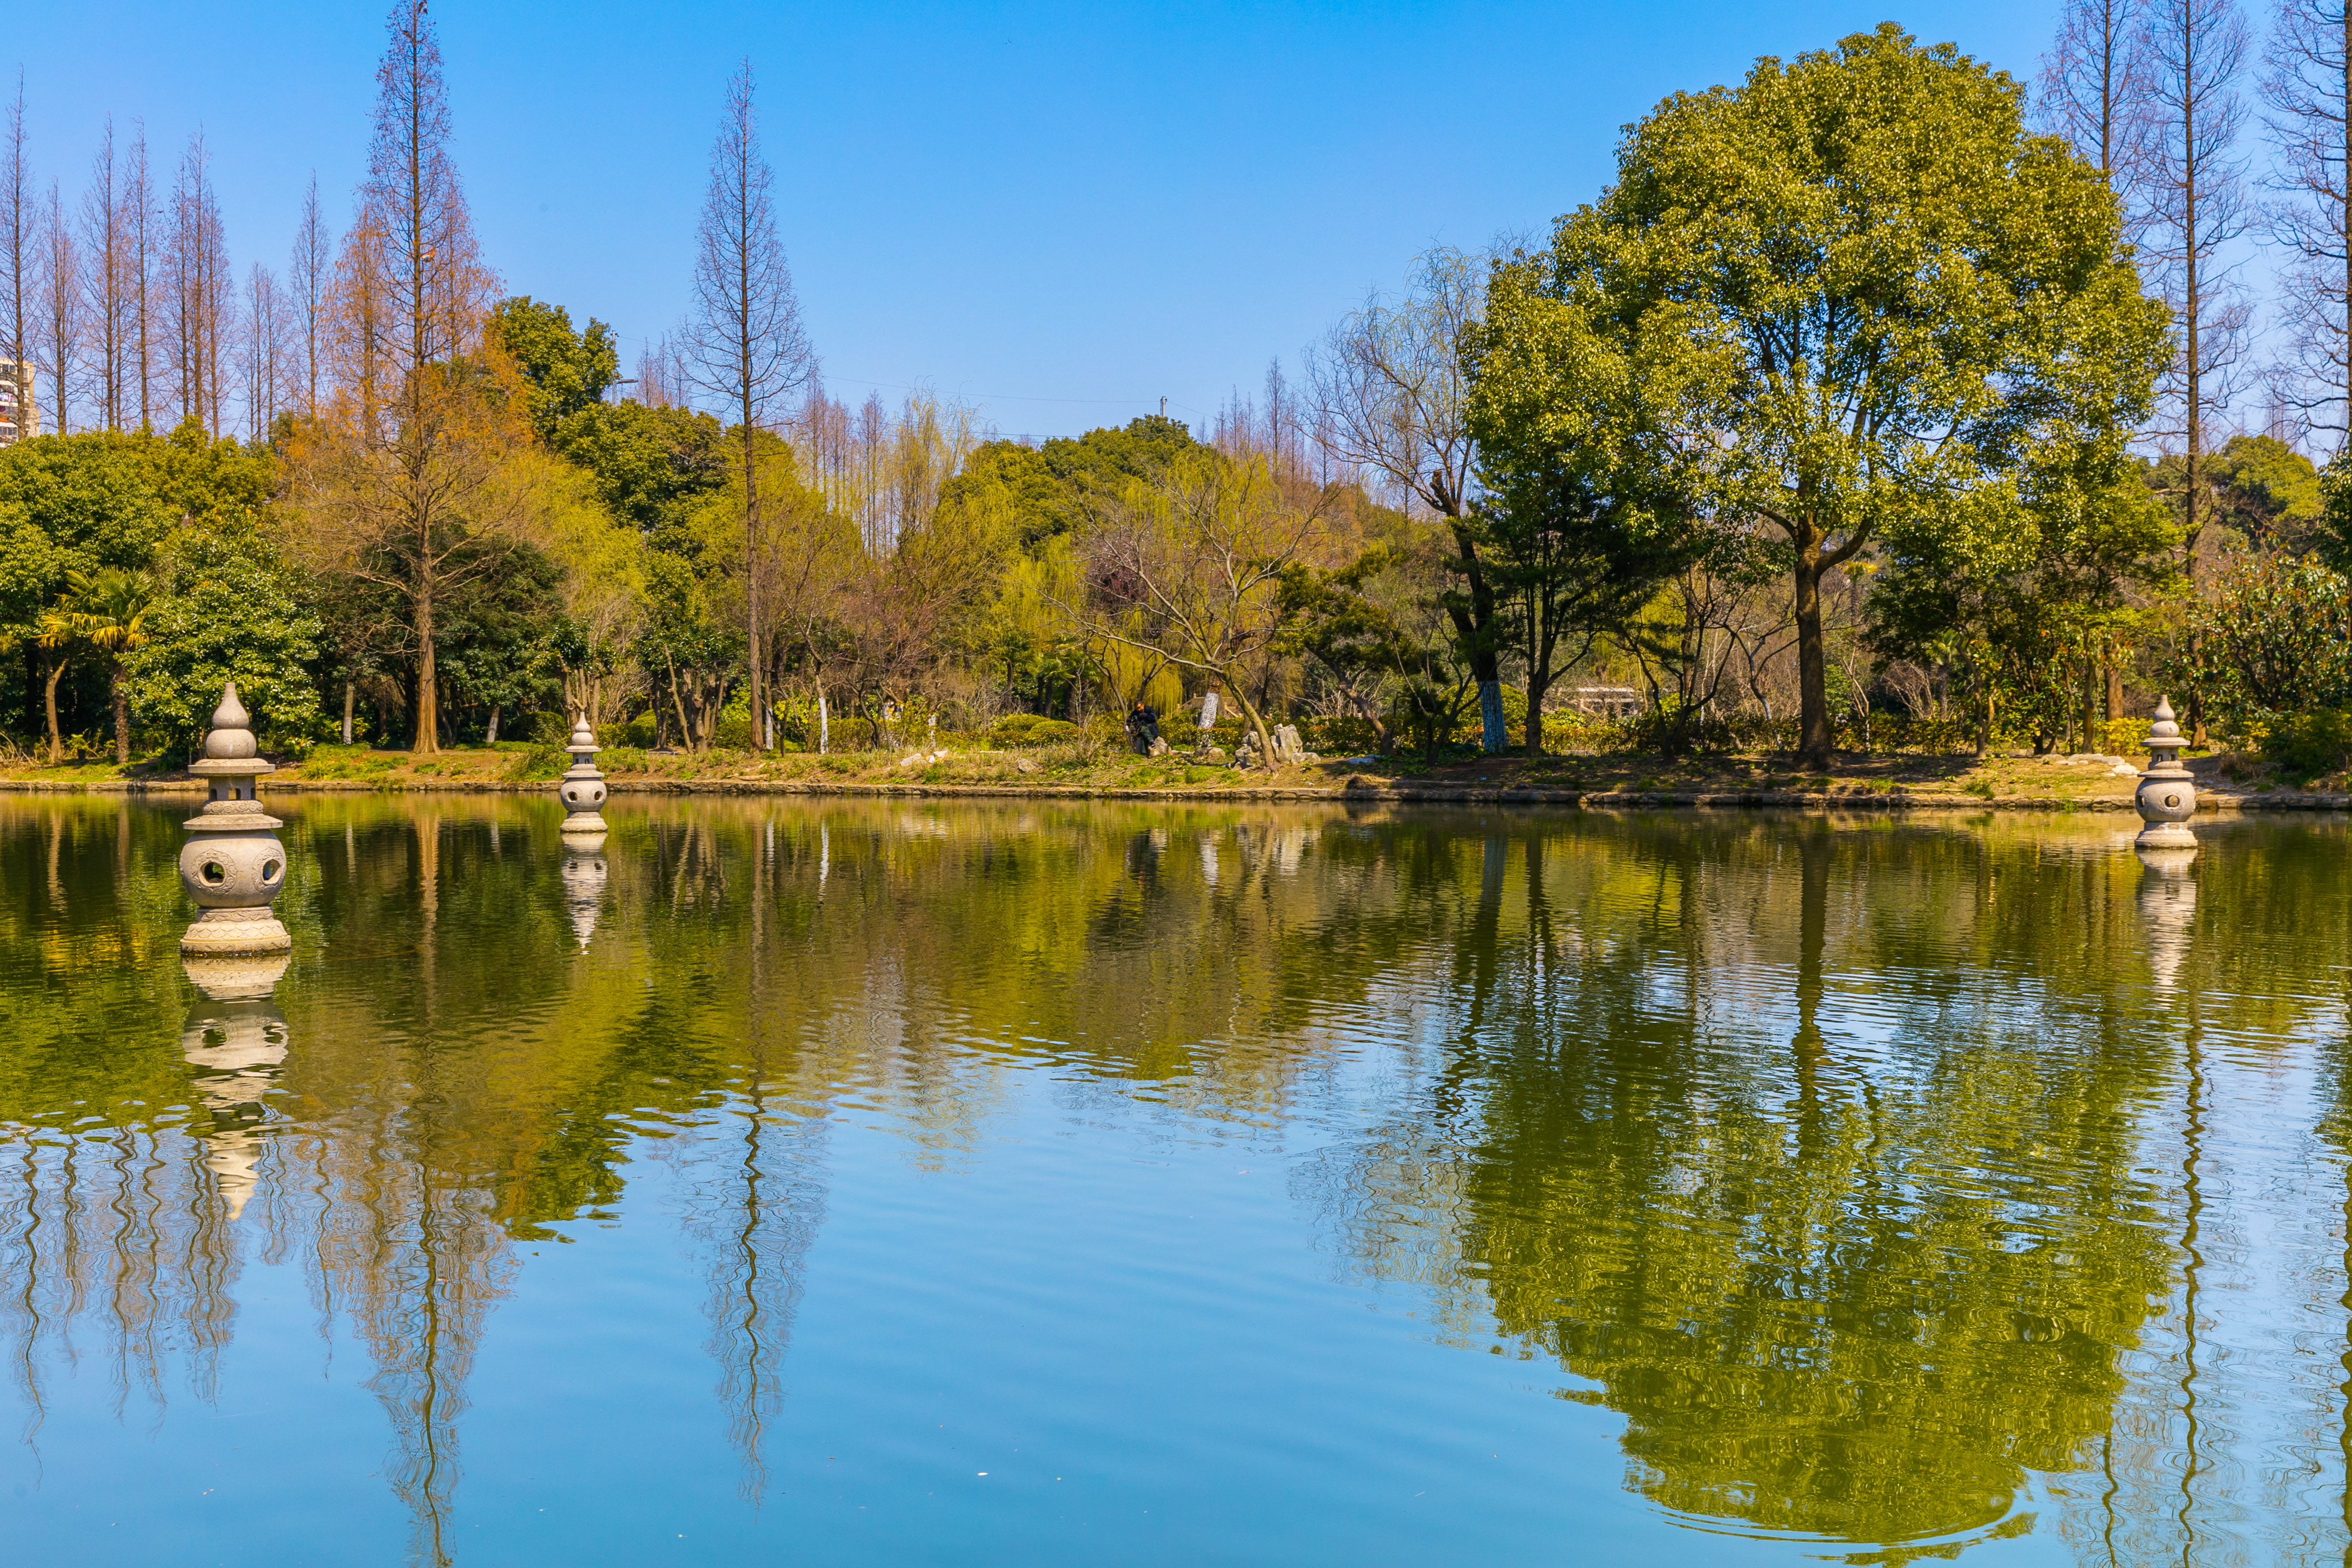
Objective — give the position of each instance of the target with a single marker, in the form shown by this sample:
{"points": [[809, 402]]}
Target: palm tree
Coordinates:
{"points": [[108, 609]]}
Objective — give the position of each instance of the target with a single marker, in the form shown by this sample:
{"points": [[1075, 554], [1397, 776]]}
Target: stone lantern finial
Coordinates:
{"points": [[2167, 798], [582, 790], [233, 865]]}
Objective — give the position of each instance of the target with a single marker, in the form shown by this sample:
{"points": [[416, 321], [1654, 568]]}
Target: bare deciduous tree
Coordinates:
{"points": [[106, 233], [199, 294], [1387, 393], [408, 486], [19, 247], [746, 349], [59, 349], [139, 207], [1190, 567], [2095, 91], [2196, 51], [309, 277], [2308, 88], [262, 352]]}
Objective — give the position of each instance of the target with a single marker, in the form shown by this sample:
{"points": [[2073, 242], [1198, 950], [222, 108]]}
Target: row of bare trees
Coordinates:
{"points": [[2155, 93], [125, 304]]}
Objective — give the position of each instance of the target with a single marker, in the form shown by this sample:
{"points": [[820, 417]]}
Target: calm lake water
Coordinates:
{"points": [[1040, 1183]]}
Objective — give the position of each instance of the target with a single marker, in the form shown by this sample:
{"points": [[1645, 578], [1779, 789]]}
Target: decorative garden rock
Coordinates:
{"points": [[2168, 795], [233, 865], [582, 790]]}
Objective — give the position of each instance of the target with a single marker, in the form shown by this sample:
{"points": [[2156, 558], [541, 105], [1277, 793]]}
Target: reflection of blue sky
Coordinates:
{"points": [[1124, 1304]]}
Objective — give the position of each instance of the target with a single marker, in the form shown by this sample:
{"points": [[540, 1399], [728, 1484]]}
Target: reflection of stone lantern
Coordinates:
{"points": [[233, 865], [2167, 903], [235, 1039], [2168, 795], [582, 790], [583, 882]]}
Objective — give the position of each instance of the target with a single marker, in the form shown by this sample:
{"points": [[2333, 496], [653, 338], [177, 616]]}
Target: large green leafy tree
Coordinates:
{"points": [[2018, 587], [651, 464], [1853, 288], [1055, 487], [98, 504], [563, 371], [69, 504], [230, 610], [498, 638]]}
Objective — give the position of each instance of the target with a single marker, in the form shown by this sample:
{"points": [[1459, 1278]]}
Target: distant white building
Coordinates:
{"points": [[20, 409]]}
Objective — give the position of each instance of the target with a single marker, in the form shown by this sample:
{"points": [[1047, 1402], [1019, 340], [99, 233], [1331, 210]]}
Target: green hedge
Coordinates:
{"points": [[1030, 729]]}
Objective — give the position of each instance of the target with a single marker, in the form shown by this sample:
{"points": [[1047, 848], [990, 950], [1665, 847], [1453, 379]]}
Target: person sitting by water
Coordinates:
{"points": [[1142, 726]]}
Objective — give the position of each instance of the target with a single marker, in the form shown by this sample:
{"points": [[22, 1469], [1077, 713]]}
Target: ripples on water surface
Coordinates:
{"points": [[964, 1184]]}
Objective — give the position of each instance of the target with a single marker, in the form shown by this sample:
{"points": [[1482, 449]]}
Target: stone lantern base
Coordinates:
{"points": [[2172, 837], [235, 934]]}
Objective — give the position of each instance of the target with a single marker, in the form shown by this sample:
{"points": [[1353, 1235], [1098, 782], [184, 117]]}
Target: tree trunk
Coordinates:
{"points": [[49, 703], [2094, 738], [1256, 720], [677, 700], [121, 716], [426, 741], [756, 644], [2115, 684], [1475, 628], [349, 694], [491, 736], [1816, 738], [1539, 684]]}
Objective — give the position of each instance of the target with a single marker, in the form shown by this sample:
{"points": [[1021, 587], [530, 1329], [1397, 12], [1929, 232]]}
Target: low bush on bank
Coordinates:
{"points": [[2306, 745], [1031, 729], [538, 762]]}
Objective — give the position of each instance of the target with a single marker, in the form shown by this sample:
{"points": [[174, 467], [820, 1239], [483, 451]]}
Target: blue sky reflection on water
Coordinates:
{"points": [[1092, 1184]]}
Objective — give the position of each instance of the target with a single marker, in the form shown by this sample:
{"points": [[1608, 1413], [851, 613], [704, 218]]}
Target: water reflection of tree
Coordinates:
{"points": [[1850, 1257], [1727, 1120]]}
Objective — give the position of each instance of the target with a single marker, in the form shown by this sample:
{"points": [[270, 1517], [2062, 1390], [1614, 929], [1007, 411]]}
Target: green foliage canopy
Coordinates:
{"points": [[1832, 299]]}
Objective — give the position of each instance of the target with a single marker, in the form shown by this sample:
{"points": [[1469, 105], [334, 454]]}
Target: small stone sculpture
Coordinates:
{"points": [[582, 790], [233, 865], [2168, 795]]}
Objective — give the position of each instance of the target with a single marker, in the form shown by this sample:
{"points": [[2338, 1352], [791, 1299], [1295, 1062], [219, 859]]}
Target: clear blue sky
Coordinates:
{"points": [[1061, 213]]}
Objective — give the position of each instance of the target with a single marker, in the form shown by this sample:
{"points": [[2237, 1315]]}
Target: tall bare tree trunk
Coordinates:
{"points": [[121, 701], [748, 345], [17, 259], [1816, 733], [139, 196], [2196, 51], [426, 740]]}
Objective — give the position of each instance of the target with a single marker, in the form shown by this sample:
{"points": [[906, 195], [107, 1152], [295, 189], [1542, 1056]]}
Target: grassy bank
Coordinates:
{"points": [[2007, 781]]}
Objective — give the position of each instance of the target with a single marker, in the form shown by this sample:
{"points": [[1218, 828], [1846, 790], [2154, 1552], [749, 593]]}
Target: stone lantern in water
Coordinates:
{"points": [[2168, 795], [233, 865], [582, 790]]}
